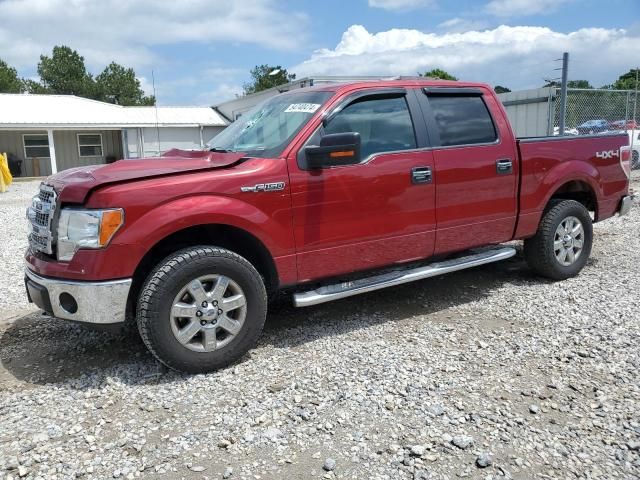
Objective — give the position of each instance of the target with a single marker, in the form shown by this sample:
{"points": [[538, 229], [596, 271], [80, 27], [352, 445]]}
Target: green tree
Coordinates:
{"points": [[65, 73], [439, 74], [31, 86], [264, 77], [570, 83], [118, 84], [627, 81], [501, 89], [9, 81], [579, 84]]}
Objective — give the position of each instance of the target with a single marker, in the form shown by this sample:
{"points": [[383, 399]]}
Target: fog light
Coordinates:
{"points": [[68, 303]]}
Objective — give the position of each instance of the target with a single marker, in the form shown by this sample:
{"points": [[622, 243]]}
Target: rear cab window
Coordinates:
{"points": [[461, 119]]}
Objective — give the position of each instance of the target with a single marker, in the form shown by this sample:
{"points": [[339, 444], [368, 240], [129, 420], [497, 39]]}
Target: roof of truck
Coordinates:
{"points": [[402, 82]]}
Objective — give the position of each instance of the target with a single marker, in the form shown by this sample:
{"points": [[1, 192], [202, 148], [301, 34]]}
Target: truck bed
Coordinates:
{"points": [[546, 162]]}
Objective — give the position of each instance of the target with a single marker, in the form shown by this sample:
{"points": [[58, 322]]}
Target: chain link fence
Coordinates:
{"points": [[594, 111]]}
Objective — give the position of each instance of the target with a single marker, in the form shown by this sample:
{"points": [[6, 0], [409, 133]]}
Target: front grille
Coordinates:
{"points": [[46, 195], [38, 242], [41, 219], [40, 215]]}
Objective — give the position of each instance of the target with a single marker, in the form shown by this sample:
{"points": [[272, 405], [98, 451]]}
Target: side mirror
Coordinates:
{"points": [[335, 149]]}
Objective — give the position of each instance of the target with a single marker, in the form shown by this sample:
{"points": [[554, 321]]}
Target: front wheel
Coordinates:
{"points": [[202, 309], [562, 244]]}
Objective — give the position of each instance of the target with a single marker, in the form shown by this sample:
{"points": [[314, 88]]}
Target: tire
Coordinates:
{"points": [[635, 160], [544, 251], [172, 290]]}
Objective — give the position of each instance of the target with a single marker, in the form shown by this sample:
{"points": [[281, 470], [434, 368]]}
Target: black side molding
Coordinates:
{"points": [[464, 91]]}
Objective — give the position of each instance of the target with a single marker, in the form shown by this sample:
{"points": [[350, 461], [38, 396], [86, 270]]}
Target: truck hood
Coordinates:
{"points": [[74, 184]]}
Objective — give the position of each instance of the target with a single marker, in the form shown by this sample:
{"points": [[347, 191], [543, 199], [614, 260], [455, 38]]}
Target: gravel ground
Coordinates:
{"points": [[13, 243], [488, 373]]}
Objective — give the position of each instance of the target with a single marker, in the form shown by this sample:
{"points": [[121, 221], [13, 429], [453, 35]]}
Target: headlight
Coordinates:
{"points": [[86, 229]]}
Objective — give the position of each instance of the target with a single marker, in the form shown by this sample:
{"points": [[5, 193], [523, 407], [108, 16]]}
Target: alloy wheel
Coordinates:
{"points": [[208, 313], [568, 241]]}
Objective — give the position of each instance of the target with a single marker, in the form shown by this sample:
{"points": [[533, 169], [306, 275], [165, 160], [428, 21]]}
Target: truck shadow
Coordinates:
{"points": [[40, 350], [422, 298]]}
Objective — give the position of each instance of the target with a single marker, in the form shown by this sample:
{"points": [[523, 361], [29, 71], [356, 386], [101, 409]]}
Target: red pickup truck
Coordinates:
{"points": [[323, 192]]}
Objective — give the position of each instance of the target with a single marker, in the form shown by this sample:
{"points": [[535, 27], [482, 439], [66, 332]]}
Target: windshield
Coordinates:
{"points": [[265, 130]]}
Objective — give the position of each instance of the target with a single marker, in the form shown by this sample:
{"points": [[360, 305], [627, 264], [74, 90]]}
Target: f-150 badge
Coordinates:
{"points": [[264, 187]]}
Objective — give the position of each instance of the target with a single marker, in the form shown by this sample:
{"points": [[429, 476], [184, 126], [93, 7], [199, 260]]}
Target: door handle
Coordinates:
{"points": [[504, 166], [421, 175]]}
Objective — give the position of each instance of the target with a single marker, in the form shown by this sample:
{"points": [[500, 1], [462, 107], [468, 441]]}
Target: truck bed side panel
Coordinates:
{"points": [[548, 163]]}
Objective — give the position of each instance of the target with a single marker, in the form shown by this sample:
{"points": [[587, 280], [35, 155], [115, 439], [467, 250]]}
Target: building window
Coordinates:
{"points": [[90, 144], [36, 145]]}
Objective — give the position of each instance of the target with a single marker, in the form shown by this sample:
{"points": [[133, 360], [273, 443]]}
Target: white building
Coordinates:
{"points": [[49, 133]]}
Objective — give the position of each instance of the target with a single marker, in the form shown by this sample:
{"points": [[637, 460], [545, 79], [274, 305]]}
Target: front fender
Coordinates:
{"points": [[144, 228], [273, 229]]}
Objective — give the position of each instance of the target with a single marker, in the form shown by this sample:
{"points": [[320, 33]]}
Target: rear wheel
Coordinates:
{"points": [[562, 244], [202, 309]]}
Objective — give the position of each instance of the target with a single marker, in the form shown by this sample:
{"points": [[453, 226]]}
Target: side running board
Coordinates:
{"points": [[347, 289]]}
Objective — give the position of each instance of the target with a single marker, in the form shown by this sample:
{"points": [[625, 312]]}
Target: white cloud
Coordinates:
{"points": [[521, 8], [221, 93], [126, 31], [459, 24], [210, 85], [517, 57], [146, 84], [400, 4]]}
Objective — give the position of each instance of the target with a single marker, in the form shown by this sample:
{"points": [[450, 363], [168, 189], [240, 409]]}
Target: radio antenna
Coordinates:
{"points": [[155, 104]]}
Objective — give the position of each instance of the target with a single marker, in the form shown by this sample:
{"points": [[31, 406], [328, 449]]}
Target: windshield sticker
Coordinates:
{"points": [[302, 108]]}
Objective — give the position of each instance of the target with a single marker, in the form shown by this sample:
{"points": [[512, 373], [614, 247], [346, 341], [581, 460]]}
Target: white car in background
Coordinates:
{"points": [[634, 142], [567, 131]]}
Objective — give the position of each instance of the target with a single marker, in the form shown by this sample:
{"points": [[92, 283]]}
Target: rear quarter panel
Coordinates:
{"points": [[549, 163]]}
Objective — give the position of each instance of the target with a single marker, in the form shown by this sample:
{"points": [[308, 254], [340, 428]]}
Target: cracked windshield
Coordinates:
{"points": [[265, 130]]}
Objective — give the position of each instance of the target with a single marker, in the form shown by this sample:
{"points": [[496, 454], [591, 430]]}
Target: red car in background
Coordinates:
{"points": [[624, 125]]}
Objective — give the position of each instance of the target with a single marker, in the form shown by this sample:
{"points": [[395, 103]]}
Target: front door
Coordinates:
{"points": [[377, 212]]}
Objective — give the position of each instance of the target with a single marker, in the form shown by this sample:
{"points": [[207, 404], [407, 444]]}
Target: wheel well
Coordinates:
{"points": [[580, 192], [224, 236]]}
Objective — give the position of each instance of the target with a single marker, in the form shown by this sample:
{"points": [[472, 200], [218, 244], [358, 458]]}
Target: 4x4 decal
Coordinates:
{"points": [[607, 154]]}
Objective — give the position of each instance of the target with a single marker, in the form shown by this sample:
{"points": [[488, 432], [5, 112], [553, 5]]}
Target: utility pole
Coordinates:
{"points": [[155, 105], [563, 92], [635, 97], [635, 103]]}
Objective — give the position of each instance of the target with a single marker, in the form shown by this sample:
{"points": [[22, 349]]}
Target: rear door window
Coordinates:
{"points": [[462, 120]]}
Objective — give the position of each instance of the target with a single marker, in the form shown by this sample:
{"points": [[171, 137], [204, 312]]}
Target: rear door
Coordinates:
{"points": [[476, 168], [377, 212]]}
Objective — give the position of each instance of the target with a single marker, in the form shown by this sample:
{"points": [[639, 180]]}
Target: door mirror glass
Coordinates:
{"points": [[335, 149]]}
